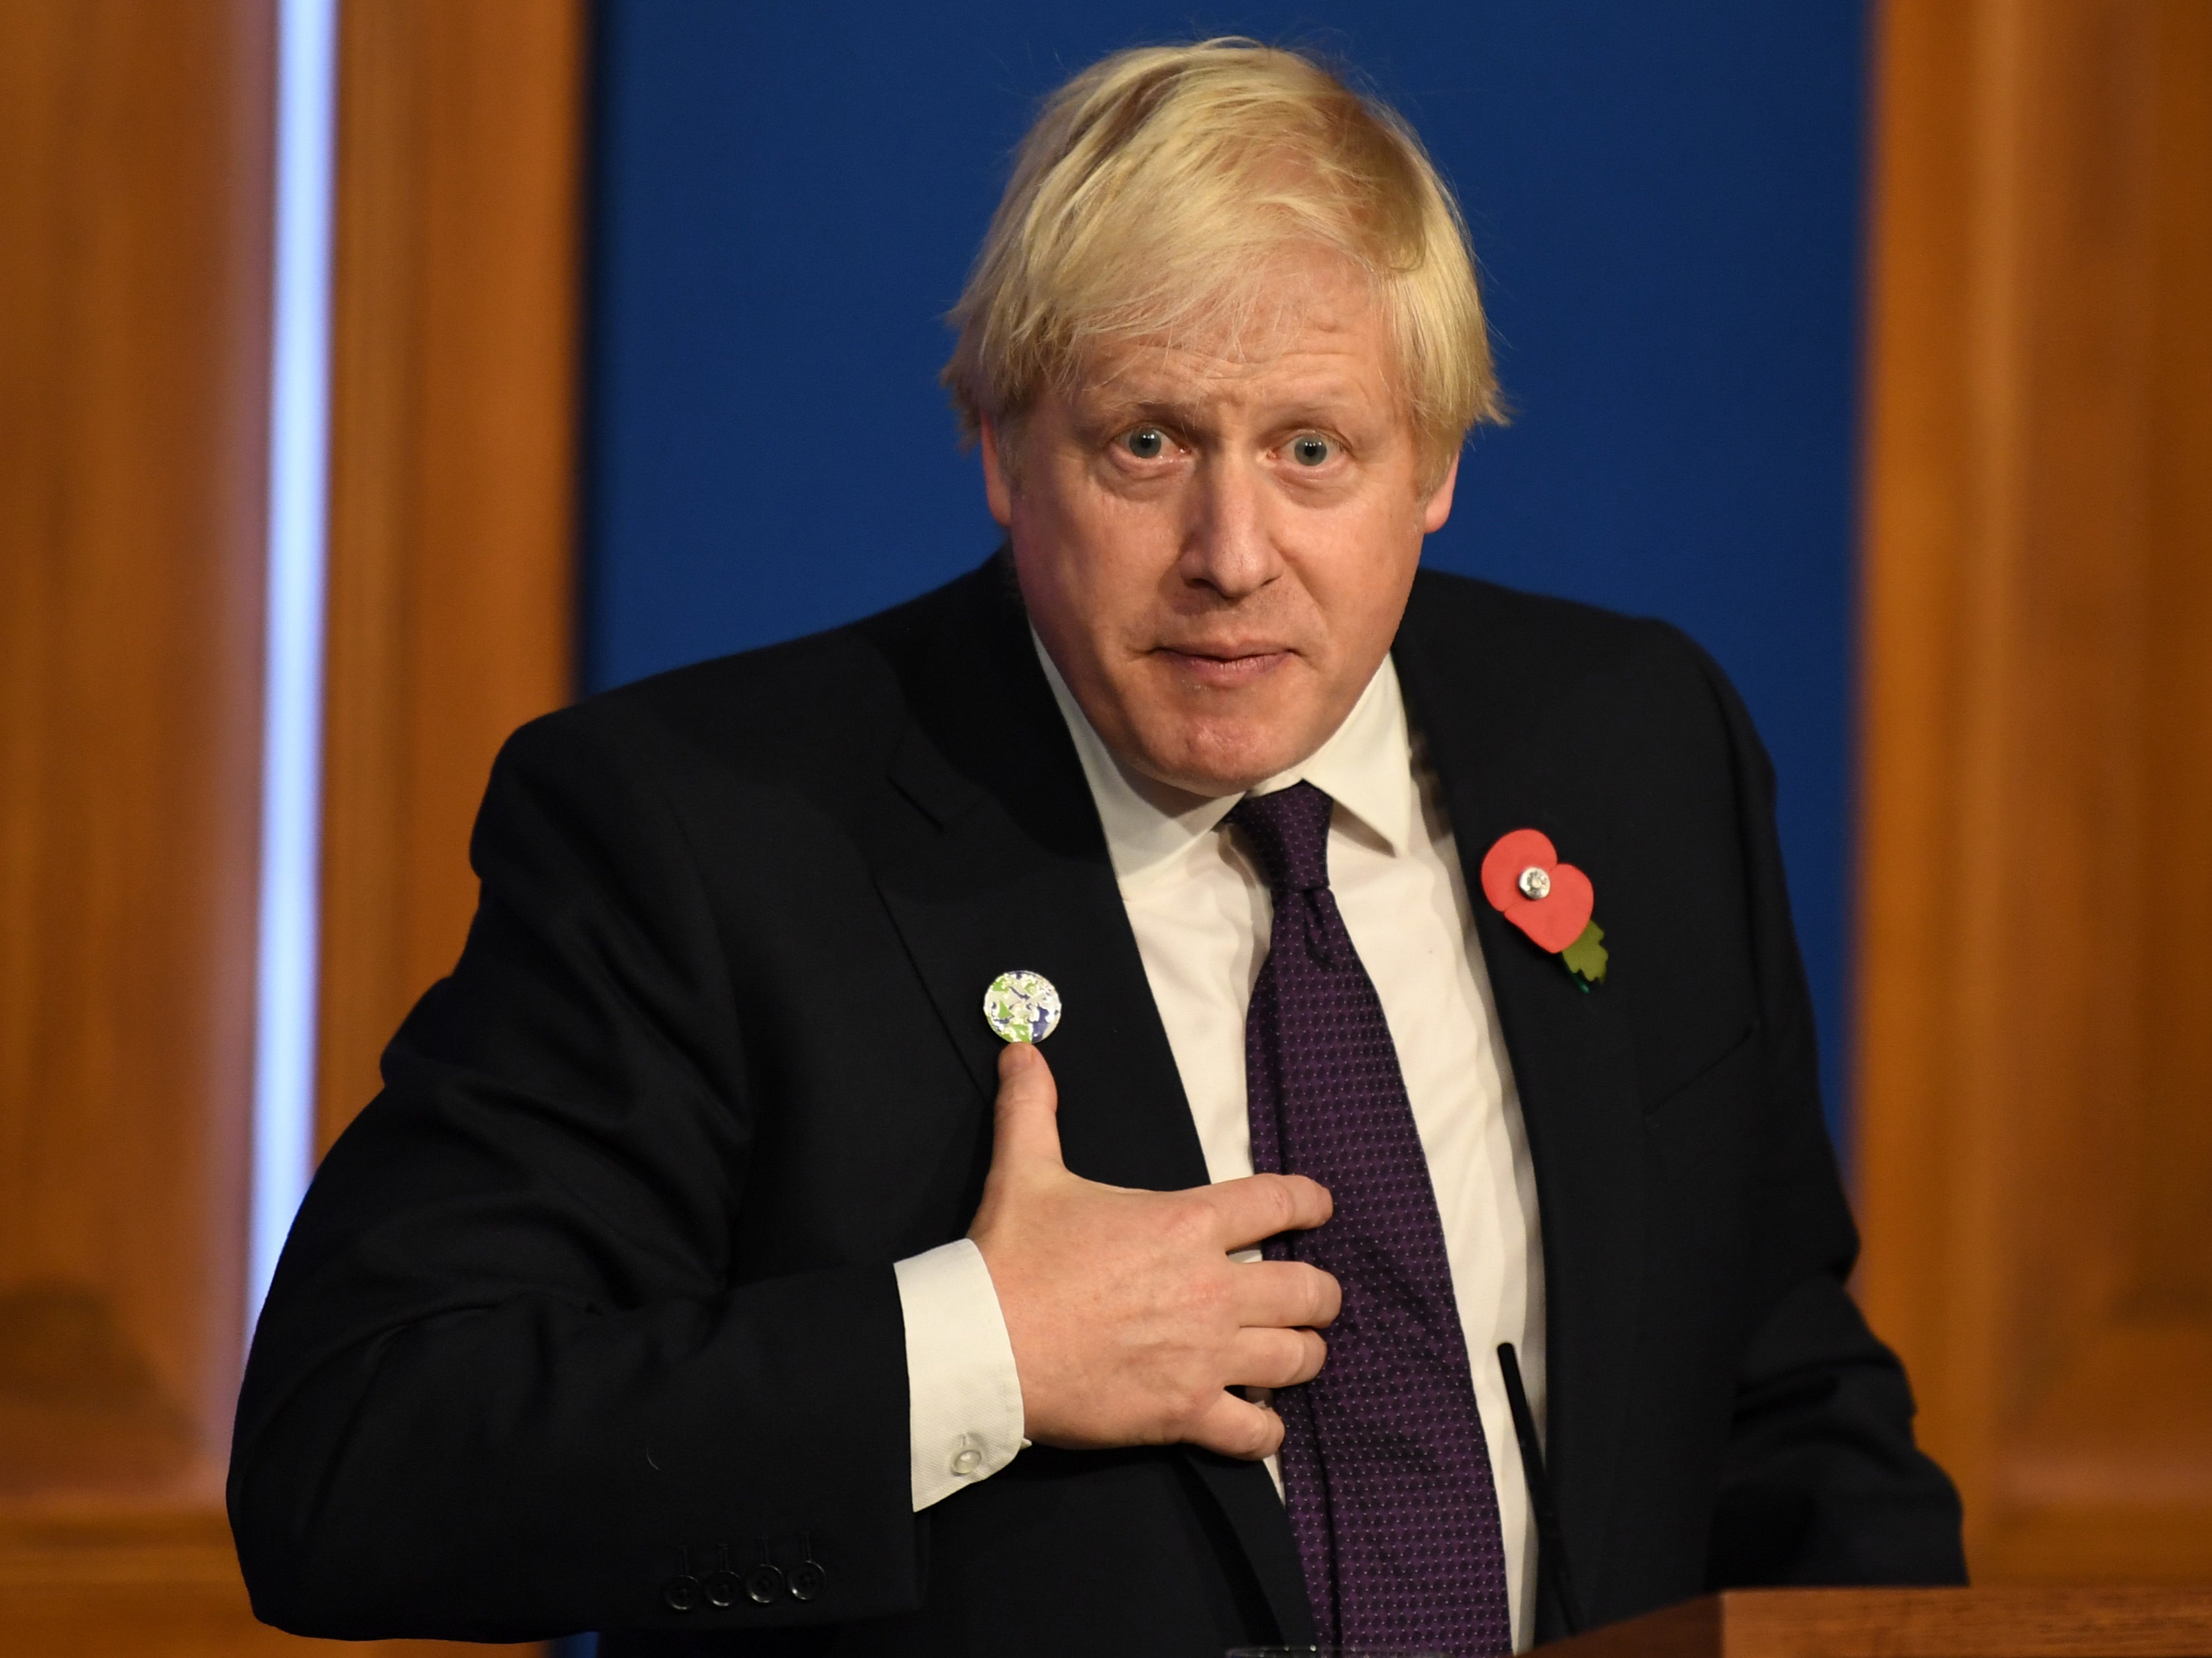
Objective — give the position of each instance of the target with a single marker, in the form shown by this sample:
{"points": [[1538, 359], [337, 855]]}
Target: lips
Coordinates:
{"points": [[1236, 652], [1228, 666]]}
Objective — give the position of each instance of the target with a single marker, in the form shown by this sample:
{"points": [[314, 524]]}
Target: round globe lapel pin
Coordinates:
{"points": [[1022, 1007]]}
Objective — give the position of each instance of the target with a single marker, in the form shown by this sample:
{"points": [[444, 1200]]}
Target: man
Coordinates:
{"points": [[711, 1272]]}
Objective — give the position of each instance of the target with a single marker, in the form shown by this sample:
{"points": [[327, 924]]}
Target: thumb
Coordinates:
{"points": [[1028, 1132]]}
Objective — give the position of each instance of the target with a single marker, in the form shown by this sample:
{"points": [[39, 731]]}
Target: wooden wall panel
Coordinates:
{"points": [[2036, 953], [452, 574], [135, 182]]}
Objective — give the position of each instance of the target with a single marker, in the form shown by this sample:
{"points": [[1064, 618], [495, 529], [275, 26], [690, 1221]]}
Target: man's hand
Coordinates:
{"points": [[1129, 1318]]}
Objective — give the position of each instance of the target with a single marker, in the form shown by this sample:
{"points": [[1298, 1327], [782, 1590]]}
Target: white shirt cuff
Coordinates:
{"points": [[964, 1411]]}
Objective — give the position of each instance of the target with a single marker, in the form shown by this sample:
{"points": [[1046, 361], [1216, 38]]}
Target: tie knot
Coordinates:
{"points": [[1288, 830]]}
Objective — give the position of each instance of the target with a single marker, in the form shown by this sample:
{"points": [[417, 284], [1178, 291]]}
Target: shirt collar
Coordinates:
{"points": [[1366, 766]]}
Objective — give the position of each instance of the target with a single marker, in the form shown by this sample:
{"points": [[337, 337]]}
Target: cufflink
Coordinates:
{"points": [[966, 1461]]}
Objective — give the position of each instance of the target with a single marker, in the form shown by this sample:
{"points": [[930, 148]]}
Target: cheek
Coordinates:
{"points": [[1071, 573], [1364, 571], [1105, 551]]}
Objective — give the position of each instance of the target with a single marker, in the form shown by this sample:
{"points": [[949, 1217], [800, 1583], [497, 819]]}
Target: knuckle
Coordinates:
{"points": [[1259, 1430], [1202, 1299], [1191, 1222], [1271, 1357], [1327, 1296], [1318, 1201], [1193, 1407], [1180, 1211], [1313, 1358]]}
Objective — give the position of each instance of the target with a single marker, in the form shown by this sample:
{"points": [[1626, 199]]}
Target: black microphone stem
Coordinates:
{"points": [[1551, 1560]]}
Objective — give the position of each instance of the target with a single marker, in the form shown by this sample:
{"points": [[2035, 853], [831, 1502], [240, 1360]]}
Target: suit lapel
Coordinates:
{"points": [[1484, 713], [1011, 870], [1015, 875]]}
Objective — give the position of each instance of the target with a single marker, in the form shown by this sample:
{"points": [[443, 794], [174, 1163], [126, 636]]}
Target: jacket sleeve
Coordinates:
{"points": [[1822, 1482], [504, 1385]]}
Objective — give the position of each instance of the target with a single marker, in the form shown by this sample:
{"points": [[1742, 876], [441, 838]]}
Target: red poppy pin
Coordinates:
{"points": [[1549, 901]]}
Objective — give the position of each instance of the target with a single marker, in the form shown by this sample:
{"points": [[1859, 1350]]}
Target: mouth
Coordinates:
{"points": [[1224, 667]]}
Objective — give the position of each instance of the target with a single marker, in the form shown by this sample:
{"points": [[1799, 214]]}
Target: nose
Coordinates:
{"points": [[1229, 543]]}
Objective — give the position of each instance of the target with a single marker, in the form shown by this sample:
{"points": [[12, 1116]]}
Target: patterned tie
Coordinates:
{"points": [[1384, 1468]]}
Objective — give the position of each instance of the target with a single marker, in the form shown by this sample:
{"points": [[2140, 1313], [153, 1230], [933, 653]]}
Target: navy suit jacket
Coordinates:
{"points": [[594, 1302]]}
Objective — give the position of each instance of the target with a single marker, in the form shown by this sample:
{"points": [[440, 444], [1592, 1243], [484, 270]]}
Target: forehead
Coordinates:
{"points": [[1307, 329]]}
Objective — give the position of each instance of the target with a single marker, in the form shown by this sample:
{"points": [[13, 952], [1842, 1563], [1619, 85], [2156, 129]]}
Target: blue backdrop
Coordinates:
{"points": [[1665, 200]]}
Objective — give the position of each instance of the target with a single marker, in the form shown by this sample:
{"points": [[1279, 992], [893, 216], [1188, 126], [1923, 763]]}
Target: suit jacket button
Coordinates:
{"points": [[681, 1592], [807, 1579], [764, 1584]]}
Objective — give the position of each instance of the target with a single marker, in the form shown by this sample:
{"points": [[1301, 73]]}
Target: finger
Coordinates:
{"points": [[1237, 1427], [1275, 1359], [1027, 1133], [1259, 1206], [1285, 1294]]}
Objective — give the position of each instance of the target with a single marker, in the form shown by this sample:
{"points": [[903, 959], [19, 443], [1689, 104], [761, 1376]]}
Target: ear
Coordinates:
{"points": [[1438, 509], [998, 485]]}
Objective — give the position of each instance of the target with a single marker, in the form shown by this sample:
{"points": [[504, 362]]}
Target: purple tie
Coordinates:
{"points": [[1384, 1468]]}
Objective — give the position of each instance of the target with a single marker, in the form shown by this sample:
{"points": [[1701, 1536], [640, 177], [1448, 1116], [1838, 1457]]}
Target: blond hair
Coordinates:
{"points": [[1157, 185]]}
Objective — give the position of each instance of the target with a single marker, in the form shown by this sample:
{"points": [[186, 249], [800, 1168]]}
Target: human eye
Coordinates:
{"points": [[1144, 442], [1313, 449]]}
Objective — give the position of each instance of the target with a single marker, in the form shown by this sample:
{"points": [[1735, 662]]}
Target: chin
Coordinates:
{"points": [[1215, 761]]}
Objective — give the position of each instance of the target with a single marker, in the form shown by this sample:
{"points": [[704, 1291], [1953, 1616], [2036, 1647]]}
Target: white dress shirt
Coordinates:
{"points": [[1201, 913]]}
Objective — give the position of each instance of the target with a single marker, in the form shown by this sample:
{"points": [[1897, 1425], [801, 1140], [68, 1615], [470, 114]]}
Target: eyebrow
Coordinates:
{"points": [[1111, 410]]}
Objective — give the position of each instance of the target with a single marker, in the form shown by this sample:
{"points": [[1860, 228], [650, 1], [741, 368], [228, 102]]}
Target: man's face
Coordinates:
{"points": [[1215, 538]]}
